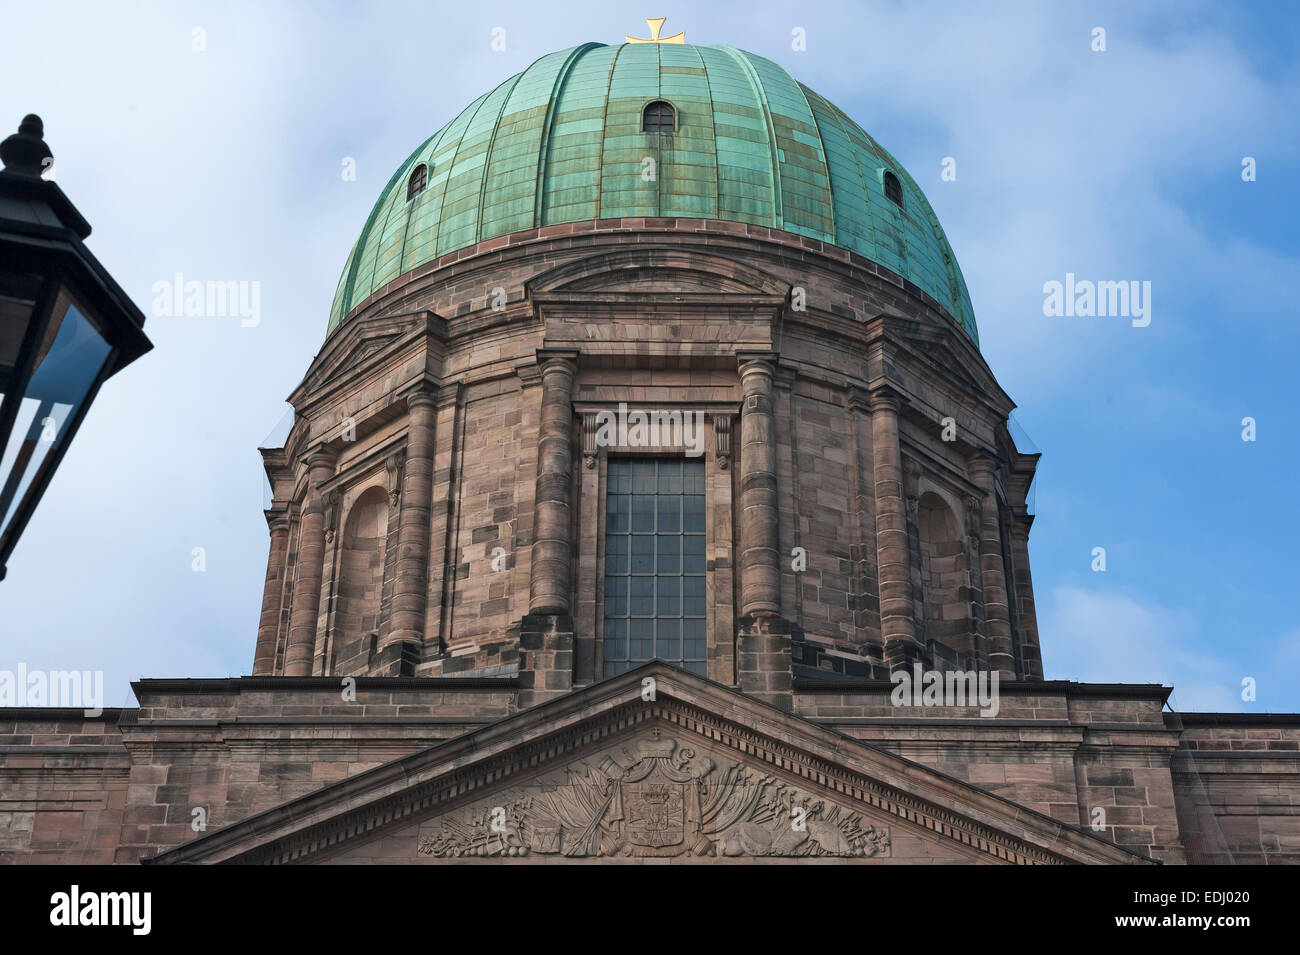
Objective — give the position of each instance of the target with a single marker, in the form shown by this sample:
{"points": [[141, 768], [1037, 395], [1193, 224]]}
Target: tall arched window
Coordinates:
{"points": [[943, 584], [893, 188], [360, 583], [419, 179], [659, 117]]}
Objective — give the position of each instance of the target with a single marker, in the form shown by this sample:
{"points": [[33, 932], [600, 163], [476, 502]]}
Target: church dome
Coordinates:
{"points": [[566, 141]]}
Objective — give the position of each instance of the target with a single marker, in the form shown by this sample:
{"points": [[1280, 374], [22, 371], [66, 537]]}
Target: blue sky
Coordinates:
{"points": [[225, 164]]}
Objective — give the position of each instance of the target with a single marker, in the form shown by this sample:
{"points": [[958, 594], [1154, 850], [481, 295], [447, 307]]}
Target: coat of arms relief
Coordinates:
{"points": [[655, 798]]}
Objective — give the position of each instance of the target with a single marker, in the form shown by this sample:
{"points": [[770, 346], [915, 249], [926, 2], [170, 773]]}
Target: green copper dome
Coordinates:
{"points": [[562, 142]]}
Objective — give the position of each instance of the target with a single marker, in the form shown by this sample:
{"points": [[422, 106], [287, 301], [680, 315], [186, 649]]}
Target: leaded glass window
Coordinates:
{"points": [[658, 118], [893, 188], [654, 564], [419, 179]]}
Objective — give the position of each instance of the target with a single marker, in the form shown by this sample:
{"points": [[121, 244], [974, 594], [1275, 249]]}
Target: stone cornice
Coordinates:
{"points": [[1066, 688], [1230, 720], [240, 684], [61, 713], [709, 236]]}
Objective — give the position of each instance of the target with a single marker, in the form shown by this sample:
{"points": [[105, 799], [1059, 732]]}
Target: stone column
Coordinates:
{"points": [[975, 583], [311, 562], [411, 583], [1030, 653], [866, 599], [268, 627], [760, 569], [721, 543], [993, 582], [897, 624], [450, 426], [548, 591]]}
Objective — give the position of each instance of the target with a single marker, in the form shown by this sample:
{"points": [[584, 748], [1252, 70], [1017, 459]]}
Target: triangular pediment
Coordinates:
{"points": [[654, 764], [948, 354], [357, 345]]}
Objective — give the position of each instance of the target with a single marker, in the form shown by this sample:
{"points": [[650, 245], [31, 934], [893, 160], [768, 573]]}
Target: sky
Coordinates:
{"points": [[210, 140]]}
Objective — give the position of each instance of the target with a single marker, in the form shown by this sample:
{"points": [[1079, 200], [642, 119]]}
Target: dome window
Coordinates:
{"points": [[658, 117], [419, 179], [893, 189]]}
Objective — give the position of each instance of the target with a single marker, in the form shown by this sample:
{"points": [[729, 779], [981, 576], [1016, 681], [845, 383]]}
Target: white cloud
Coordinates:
{"points": [[1097, 637], [1287, 652]]}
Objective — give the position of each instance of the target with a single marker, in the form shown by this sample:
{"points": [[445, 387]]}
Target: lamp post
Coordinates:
{"points": [[65, 327]]}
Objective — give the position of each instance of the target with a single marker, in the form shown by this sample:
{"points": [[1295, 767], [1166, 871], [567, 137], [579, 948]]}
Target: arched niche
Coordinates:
{"points": [[944, 583], [360, 582]]}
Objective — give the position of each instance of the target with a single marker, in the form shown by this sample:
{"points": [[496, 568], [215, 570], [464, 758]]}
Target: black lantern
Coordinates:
{"points": [[65, 326]]}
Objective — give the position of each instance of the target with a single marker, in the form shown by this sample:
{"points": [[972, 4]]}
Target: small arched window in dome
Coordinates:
{"points": [[658, 117], [419, 179], [893, 188]]}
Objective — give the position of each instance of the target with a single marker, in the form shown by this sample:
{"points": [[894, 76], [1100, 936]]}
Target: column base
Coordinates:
{"points": [[904, 654], [545, 657], [817, 657], [397, 658], [764, 659]]}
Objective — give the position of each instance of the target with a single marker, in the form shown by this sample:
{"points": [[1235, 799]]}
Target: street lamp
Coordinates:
{"points": [[65, 327]]}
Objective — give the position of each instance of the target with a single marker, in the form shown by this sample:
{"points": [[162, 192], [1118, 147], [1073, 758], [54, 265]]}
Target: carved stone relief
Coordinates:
{"points": [[722, 431], [973, 506], [654, 798], [590, 449], [332, 500], [393, 476]]}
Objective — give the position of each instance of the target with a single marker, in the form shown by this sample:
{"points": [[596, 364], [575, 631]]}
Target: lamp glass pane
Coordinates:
{"points": [[18, 293], [69, 360]]}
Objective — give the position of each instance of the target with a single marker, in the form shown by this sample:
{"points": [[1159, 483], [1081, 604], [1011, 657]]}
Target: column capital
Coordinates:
{"points": [[982, 463], [277, 521], [424, 395], [858, 399], [529, 373], [886, 398], [557, 359], [760, 362], [322, 456]]}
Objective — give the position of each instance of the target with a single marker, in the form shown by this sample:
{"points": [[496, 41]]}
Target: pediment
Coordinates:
{"points": [[677, 768], [655, 794], [358, 344], [950, 356]]}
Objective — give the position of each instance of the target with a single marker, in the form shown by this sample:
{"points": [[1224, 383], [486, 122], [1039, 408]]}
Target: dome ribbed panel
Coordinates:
{"points": [[562, 142]]}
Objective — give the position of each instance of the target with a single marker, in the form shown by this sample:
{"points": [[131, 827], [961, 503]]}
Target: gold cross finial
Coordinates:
{"points": [[656, 24]]}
